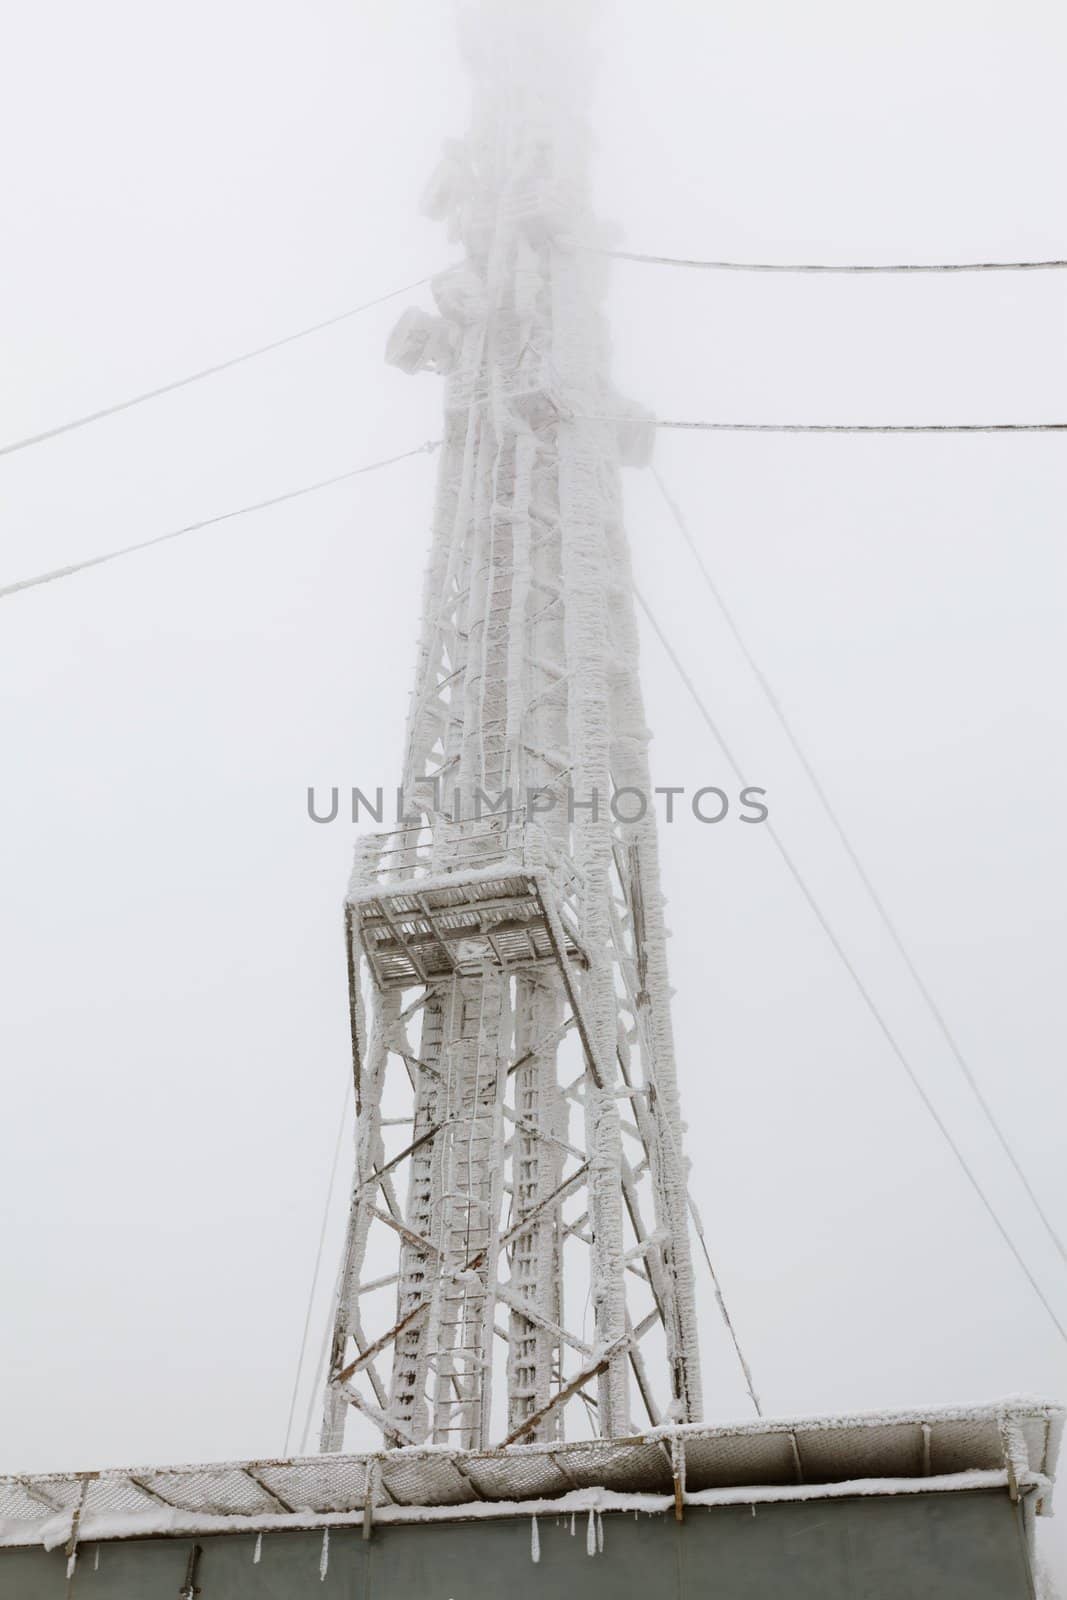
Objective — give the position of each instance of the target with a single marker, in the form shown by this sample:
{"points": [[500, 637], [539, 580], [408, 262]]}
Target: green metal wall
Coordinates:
{"points": [[953, 1546]]}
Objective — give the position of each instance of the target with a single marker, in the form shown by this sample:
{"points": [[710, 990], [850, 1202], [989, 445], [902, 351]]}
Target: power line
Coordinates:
{"points": [[623, 255], [746, 1370], [861, 987], [353, 472], [850, 850], [210, 522], [859, 427], [316, 1387], [318, 1266], [204, 372], [830, 267], [823, 427]]}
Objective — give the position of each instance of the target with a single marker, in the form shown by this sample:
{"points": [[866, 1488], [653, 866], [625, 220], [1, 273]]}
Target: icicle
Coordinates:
{"points": [[324, 1559], [599, 1534], [535, 1541], [72, 1562], [590, 1534], [753, 1508], [572, 1524], [96, 1560], [258, 1551]]}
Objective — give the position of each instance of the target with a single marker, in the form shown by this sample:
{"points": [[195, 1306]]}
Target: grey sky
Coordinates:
{"points": [[183, 182]]}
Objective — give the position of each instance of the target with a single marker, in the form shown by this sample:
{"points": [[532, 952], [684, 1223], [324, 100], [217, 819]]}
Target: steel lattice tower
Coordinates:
{"points": [[519, 1173]]}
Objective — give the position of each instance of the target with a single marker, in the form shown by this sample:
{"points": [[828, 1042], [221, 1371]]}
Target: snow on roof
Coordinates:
{"points": [[1010, 1444]]}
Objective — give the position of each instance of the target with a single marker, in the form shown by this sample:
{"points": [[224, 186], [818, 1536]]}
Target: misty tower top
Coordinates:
{"points": [[518, 1265]]}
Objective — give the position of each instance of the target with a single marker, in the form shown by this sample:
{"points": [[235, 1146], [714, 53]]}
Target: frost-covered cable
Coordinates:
{"points": [[700, 426], [720, 1301], [831, 267], [204, 372], [210, 522], [850, 850], [318, 1267], [317, 1385], [864, 992], [861, 427]]}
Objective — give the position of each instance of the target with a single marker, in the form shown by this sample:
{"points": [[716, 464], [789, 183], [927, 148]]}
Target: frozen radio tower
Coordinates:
{"points": [[517, 1260]]}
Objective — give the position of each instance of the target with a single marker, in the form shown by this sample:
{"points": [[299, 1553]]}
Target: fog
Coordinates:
{"points": [[185, 183]]}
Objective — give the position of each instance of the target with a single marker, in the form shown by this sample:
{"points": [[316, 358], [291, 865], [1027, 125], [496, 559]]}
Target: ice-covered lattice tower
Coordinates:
{"points": [[518, 1257]]}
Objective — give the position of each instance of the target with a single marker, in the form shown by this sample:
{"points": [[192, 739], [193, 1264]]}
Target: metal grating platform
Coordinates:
{"points": [[427, 904], [1013, 1445]]}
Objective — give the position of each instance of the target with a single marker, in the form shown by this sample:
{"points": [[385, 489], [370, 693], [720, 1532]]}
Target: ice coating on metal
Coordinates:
{"points": [[514, 966], [1010, 1445]]}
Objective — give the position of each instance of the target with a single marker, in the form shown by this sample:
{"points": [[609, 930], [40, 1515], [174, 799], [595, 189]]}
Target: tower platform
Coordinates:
{"points": [[425, 903]]}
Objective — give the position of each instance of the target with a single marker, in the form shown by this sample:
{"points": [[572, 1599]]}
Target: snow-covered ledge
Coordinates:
{"points": [[1010, 1444]]}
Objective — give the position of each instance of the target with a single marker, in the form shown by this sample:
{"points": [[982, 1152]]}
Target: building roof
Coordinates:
{"points": [[1011, 1444]]}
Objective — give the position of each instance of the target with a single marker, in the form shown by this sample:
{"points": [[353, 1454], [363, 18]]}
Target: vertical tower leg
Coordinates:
{"points": [[534, 1354]]}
